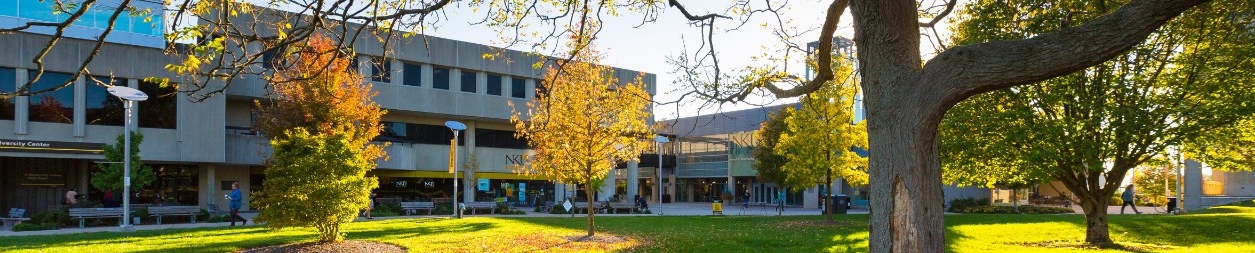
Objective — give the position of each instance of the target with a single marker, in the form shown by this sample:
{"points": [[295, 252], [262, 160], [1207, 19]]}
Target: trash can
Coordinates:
{"points": [[839, 204], [1172, 205]]}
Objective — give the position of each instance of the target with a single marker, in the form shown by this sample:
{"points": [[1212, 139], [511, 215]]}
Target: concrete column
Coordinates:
{"points": [[427, 78], [468, 176], [670, 187], [607, 187], [530, 89], [1193, 185], [731, 187], [211, 189], [633, 174], [481, 83], [396, 74], [21, 116], [559, 192], [80, 107], [810, 199]]}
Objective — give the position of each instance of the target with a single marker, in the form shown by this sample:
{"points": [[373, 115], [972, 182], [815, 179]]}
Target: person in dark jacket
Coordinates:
{"points": [[237, 201], [1127, 197]]}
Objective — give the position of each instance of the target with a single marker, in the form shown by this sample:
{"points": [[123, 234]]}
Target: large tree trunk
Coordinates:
{"points": [[1095, 208]]}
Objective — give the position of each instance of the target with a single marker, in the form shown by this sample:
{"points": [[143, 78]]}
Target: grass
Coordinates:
{"points": [[1222, 229]]}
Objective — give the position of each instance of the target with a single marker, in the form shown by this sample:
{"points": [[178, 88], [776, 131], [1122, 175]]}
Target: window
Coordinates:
{"points": [[432, 134], [393, 132], [468, 81], [380, 69], [518, 87], [55, 106], [8, 83], [161, 108], [268, 58], [498, 139], [494, 84], [103, 108], [173, 185], [412, 74], [440, 78]]}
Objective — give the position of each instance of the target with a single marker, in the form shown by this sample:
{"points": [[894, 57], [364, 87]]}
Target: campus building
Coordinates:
{"points": [[51, 143]]}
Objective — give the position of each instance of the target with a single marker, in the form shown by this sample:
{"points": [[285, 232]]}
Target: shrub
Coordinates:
{"points": [[141, 213], [219, 218], [443, 209], [558, 210], [1115, 200], [54, 217], [383, 213], [386, 209], [960, 205], [31, 226]]}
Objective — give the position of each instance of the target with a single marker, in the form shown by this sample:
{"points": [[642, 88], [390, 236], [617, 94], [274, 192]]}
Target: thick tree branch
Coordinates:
{"points": [[689, 16], [978, 68], [945, 12]]}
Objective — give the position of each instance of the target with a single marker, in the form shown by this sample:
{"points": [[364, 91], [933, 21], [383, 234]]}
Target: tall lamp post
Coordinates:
{"points": [[453, 165], [129, 96], [660, 140]]}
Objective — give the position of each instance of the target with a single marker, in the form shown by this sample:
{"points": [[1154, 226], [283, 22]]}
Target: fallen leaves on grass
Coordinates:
{"points": [[320, 247], [814, 223], [1137, 247]]}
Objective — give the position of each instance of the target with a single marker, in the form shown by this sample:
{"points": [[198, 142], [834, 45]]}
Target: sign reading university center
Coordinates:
{"points": [[51, 147]]}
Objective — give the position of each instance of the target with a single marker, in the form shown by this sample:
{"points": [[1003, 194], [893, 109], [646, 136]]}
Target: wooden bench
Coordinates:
{"points": [[159, 211], [491, 206], [577, 207], [83, 214], [15, 217], [612, 207], [410, 207]]}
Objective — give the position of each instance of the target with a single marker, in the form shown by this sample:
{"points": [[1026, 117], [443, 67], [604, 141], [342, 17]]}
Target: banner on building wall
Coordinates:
{"points": [[51, 147], [522, 192], [482, 184]]}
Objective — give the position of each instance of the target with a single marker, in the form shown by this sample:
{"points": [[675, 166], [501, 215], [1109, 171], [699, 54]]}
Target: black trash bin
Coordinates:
{"points": [[842, 204], [666, 198], [1172, 204]]}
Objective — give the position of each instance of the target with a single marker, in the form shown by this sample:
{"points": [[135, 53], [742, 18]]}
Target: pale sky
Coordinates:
{"points": [[648, 47]]}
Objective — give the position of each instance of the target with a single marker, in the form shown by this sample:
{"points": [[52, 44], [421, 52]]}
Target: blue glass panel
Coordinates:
{"points": [[440, 78], [412, 74], [8, 83], [468, 81], [53, 106], [494, 84], [518, 87]]}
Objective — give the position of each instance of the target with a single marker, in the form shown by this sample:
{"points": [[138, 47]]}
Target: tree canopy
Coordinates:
{"points": [[585, 122], [1089, 128], [109, 178]]}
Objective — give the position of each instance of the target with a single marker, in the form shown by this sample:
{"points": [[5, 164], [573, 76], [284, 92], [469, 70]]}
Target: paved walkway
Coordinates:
{"points": [[672, 209]]}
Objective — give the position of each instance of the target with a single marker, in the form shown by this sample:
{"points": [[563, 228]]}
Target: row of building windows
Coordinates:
{"points": [[95, 17], [380, 70], [159, 111], [440, 135]]}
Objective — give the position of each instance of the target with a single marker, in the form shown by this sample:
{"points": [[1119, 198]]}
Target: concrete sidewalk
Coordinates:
{"points": [[670, 209]]}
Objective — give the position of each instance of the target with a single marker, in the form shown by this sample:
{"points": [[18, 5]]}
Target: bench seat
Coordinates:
{"points": [[82, 214], [410, 207], [159, 211]]}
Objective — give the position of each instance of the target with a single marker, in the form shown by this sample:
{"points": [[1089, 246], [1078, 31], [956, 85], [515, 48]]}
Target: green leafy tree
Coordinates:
{"points": [[584, 124], [109, 178], [320, 121], [821, 136], [1088, 129], [976, 151], [766, 161], [1156, 183]]}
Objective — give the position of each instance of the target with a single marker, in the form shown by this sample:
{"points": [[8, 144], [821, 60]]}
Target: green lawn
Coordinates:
{"points": [[1221, 229]]}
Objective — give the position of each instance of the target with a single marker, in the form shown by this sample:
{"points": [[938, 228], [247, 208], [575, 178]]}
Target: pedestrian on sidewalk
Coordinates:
{"points": [[1128, 199], [780, 202], [236, 202]]}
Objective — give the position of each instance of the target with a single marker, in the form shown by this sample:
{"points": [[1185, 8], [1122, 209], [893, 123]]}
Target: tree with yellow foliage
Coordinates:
{"points": [[320, 120], [585, 122], [821, 135]]}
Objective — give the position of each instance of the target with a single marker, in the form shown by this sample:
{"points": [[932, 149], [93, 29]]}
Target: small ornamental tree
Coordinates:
{"points": [[821, 135], [584, 123], [109, 178], [320, 121]]}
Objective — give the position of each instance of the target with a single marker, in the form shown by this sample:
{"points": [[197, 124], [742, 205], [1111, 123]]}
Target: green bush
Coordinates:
{"points": [[52, 217], [142, 213], [960, 205], [31, 226], [443, 209], [1115, 200], [219, 218], [386, 209], [558, 210], [1011, 210]]}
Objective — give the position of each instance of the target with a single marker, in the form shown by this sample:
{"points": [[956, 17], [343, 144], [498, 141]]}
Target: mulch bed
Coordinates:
{"points": [[346, 246]]}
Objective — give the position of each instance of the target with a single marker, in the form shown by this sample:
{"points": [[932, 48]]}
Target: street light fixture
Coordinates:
{"points": [[129, 96], [453, 165], [660, 140]]}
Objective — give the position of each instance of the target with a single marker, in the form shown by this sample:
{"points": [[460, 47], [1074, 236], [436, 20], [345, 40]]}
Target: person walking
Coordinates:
{"points": [[780, 202], [371, 206], [1128, 199], [236, 201], [745, 198]]}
